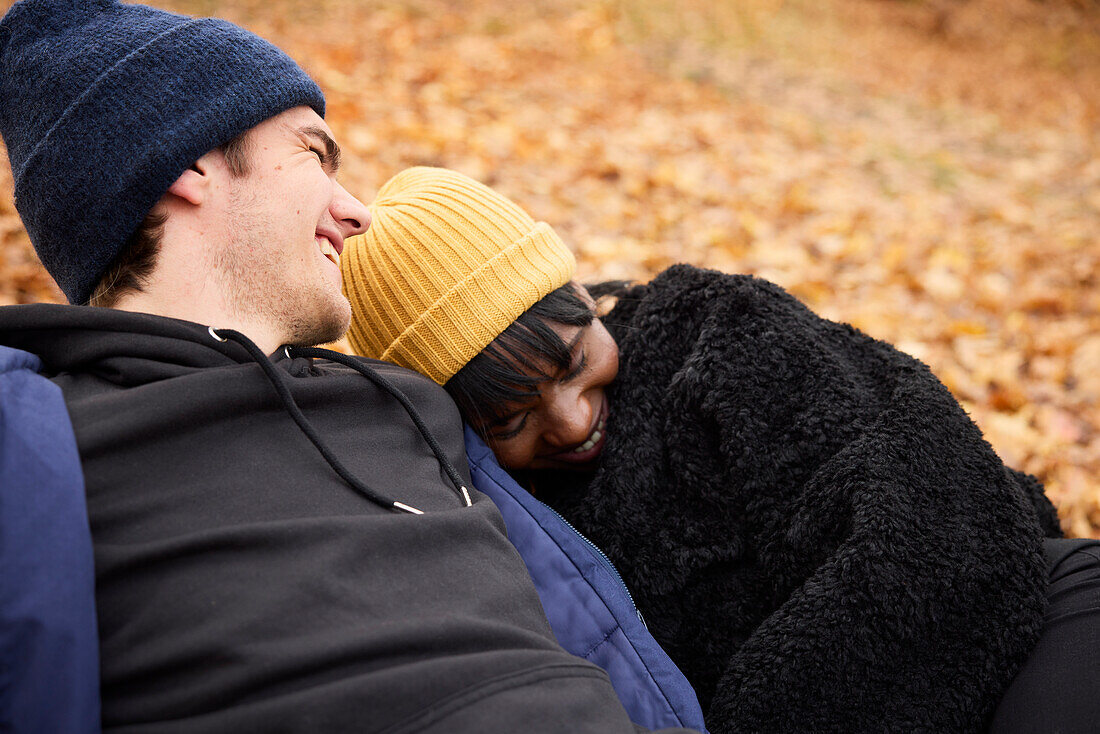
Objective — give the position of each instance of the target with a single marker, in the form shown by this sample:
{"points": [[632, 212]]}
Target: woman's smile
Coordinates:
{"points": [[592, 446]]}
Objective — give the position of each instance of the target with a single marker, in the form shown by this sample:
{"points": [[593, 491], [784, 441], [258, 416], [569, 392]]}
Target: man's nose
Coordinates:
{"points": [[351, 215], [571, 419]]}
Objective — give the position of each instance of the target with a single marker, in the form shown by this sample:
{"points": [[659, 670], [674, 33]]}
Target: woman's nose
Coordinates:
{"points": [[570, 419]]}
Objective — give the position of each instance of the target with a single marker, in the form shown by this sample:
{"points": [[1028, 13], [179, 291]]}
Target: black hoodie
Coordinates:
{"points": [[242, 585]]}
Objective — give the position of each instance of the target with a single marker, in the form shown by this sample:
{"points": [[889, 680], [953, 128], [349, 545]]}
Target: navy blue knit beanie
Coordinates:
{"points": [[103, 105]]}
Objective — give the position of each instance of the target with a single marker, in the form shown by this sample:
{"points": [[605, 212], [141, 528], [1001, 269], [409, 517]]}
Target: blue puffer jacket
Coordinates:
{"points": [[49, 656], [586, 601]]}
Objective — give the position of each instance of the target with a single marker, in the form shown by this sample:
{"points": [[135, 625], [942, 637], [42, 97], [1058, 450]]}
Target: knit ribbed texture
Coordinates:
{"points": [[104, 104], [445, 267]]}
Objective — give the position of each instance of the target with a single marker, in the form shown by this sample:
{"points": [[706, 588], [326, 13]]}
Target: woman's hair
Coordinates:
{"points": [[496, 376]]}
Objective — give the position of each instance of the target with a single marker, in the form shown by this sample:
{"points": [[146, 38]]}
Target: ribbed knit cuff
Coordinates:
{"points": [[484, 303]]}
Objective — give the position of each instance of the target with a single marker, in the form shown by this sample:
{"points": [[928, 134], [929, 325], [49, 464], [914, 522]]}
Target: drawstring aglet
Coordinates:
{"points": [[466, 496], [405, 508]]}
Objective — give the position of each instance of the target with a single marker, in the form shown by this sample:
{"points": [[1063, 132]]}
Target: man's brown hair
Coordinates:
{"points": [[130, 271]]}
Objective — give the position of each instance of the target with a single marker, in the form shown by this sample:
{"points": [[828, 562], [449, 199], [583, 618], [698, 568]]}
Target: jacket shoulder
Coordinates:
{"points": [[48, 639], [13, 360]]}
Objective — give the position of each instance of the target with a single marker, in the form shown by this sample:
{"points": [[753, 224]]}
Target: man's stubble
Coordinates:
{"points": [[261, 281]]}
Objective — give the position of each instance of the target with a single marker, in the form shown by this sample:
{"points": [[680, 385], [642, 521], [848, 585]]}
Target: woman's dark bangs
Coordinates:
{"points": [[509, 369]]}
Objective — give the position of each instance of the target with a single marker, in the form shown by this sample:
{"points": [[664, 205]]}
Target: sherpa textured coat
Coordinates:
{"points": [[810, 523]]}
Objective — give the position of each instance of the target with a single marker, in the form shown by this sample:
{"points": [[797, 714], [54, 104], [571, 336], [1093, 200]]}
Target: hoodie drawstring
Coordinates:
{"points": [[371, 374], [307, 428]]}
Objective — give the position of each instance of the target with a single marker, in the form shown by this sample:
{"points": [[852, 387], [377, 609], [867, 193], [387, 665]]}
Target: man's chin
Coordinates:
{"points": [[329, 324]]}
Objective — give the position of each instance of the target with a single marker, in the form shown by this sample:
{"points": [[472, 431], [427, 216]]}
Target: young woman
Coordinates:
{"points": [[814, 529]]}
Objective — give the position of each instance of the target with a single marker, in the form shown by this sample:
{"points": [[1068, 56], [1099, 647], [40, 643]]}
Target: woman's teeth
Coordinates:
{"points": [[328, 250], [592, 440]]}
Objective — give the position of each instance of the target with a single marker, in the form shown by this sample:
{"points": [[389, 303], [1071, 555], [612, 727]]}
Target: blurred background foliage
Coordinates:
{"points": [[924, 169]]}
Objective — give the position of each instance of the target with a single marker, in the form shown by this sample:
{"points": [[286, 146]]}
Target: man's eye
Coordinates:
{"points": [[320, 154]]}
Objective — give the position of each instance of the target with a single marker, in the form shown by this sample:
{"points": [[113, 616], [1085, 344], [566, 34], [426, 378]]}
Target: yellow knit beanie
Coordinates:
{"points": [[446, 265]]}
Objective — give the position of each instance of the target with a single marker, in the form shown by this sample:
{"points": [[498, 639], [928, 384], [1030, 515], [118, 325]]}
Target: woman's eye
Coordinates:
{"points": [[512, 428], [577, 368]]}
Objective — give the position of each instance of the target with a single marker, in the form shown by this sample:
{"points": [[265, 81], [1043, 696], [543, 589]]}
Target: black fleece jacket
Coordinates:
{"points": [[814, 529], [242, 586]]}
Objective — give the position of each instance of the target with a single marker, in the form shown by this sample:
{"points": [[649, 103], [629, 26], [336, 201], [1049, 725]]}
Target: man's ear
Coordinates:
{"points": [[194, 184]]}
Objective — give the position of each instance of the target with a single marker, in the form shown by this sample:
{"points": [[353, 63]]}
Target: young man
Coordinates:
{"points": [[280, 544]]}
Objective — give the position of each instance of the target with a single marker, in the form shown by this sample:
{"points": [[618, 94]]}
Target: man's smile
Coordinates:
{"points": [[331, 245]]}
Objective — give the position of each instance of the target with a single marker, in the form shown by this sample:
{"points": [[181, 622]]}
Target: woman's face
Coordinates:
{"points": [[563, 426]]}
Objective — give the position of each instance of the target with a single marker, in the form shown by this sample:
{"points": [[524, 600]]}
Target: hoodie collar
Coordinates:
{"points": [[122, 347]]}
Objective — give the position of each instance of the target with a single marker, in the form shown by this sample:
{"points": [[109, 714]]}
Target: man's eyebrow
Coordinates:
{"points": [[332, 150]]}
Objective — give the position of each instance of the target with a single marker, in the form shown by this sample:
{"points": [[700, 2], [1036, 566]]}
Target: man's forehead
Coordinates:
{"points": [[298, 119]]}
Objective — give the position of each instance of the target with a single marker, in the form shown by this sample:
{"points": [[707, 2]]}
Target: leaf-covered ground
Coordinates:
{"points": [[925, 170]]}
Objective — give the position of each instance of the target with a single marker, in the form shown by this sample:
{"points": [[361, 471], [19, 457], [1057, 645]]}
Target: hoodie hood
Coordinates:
{"points": [[121, 347], [128, 349]]}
